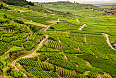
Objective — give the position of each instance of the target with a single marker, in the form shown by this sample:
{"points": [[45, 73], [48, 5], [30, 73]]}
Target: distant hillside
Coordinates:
{"points": [[17, 2], [74, 8], [64, 4]]}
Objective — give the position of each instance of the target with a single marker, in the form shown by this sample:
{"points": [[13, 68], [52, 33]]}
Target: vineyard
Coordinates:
{"points": [[1, 67], [39, 42], [53, 44], [66, 73]]}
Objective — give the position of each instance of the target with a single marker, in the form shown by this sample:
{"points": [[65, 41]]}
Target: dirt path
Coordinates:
{"points": [[46, 60], [77, 20], [77, 65], [108, 41], [82, 26], [88, 64], [66, 57], [6, 52], [49, 26], [28, 56]]}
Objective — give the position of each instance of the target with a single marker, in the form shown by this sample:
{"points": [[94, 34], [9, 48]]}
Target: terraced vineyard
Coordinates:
{"points": [[39, 42]]}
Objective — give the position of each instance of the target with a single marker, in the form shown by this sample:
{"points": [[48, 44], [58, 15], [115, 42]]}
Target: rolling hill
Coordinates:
{"points": [[36, 41]]}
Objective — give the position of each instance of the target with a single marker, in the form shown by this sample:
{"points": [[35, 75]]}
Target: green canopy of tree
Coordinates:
{"points": [[17, 2]]}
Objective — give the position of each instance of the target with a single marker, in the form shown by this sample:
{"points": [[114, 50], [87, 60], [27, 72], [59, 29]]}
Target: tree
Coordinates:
{"points": [[5, 16], [54, 70], [30, 3], [1, 6], [67, 12]]}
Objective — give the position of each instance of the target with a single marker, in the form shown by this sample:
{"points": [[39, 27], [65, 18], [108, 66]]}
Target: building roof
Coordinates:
{"points": [[115, 42]]}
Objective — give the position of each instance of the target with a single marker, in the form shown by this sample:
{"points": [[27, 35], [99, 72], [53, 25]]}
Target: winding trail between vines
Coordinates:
{"points": [[108, 41], [82, 26], [28, 56], [32, 54], [49, 26]]}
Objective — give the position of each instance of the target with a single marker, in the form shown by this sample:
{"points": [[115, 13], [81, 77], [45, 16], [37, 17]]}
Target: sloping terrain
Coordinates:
{"points": [[40, 42]]}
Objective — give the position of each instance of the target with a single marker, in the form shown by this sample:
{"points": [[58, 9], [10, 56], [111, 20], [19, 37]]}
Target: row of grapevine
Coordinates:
{"points": [[62, 63], [38, 39], [93, 74], [72, 47], [53, 74], [29, 45], [22, 35], [33, 37], [66, 73], [38, 72], [45, 66], [54, 44], [31, 62], [46, 49], [28, 62], [57, 33], [4, 47], [1, 67], [82, 64], [56, 55], [19, 42], [77, 37]]}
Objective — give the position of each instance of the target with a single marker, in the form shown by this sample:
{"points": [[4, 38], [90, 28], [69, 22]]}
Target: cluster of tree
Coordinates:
{"points": [[18, 2], [19, 21], [1, 6], [35, 28]]}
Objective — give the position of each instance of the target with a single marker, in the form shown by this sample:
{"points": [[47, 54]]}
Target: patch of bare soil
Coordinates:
{"points": [[66, 57], [89, 64], [77, 65]]}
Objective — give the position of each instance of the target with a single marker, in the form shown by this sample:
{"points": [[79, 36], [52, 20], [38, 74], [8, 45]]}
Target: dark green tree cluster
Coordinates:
{"points": [[1, 6], [35, 28], [19, 21], [17, 2]]}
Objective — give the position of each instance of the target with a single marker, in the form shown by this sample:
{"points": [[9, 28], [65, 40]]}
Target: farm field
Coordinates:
{"points": [[40, 41]]}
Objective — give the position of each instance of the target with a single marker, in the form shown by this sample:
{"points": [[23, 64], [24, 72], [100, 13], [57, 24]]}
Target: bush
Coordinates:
{"points": [[54, 70], [51, 27], [19, 21], [42, 57]]}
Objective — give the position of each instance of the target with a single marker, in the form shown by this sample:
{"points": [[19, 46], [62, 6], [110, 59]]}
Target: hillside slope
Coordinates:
{"points": [[67, 51], [74, 8]]}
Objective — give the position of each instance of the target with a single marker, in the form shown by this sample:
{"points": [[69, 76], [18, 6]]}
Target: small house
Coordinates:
{"points": [[115, 44]]}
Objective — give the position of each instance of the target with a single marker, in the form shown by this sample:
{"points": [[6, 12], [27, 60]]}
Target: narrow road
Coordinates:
{"points": [[77, 20], [108, 41], [28, 56], [82, 26], [50, 25]]}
